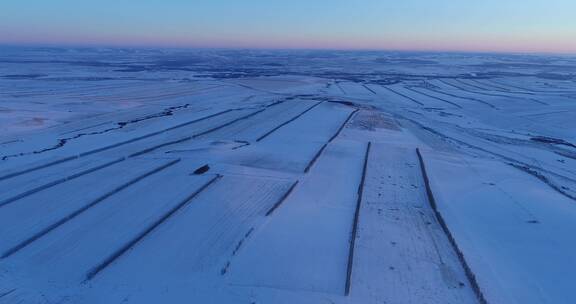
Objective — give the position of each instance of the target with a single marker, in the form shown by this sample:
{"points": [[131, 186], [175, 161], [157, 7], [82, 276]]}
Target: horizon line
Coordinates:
{"points": [[297, 48]]}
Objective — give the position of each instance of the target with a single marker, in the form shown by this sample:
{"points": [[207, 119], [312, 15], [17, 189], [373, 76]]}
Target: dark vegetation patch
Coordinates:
{"points": [[23, 76], [551, 140], [202, 170]]}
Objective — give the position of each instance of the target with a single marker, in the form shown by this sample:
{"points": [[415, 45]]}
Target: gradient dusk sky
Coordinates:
{"points": [[454, 25]]}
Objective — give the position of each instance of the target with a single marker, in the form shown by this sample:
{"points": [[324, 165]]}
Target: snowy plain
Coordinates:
{"points": [[237, 176]]}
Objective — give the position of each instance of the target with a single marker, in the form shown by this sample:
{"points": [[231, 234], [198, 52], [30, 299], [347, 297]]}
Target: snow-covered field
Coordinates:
{"points": [[215, 176]]}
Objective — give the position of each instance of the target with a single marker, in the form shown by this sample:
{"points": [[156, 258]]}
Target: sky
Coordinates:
{"points": [[439, 25]]}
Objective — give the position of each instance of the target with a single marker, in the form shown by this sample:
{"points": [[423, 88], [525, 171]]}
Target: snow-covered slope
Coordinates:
{"points": [[167, 176]]}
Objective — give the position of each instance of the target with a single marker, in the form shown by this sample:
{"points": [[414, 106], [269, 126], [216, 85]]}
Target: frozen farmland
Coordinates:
{"points": [[171, 176]]}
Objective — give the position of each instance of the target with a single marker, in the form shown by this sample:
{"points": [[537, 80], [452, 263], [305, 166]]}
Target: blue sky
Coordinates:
{"points": [[486, 25]]}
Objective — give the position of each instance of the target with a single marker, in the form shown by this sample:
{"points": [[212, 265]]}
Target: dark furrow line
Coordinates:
{"points": [[354, 233], [151, 97], [253, 88], [145, 151], [11, 175], [454, 86], [226, 267], [340, 87], [282, 199], [540, 91], [542, 178], [567, 154], [187, 138], [122, 250], [229, 123], [317, 155], [515, 87], [87, 127], [315, 158], [63, 141], [431, 199], [242, 144], [468, 90], [491, 86], [501, 89], [488, 94], [287, 122], [241, 242], [11, 141], [56, 162], [154, 133], [485, 91], [343, 125], [7, 293], [534, 171], [462, 97], [497, 88], [471, 85], [400, 94], [81, 210], [156, 147], [434, 97], [57, 182], [369, 89], [130, 141]]}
